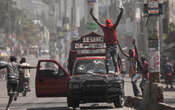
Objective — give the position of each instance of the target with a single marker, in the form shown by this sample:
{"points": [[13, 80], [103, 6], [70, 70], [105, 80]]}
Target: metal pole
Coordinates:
{"points": [[161, 34], [8, 31], [90, 25]]}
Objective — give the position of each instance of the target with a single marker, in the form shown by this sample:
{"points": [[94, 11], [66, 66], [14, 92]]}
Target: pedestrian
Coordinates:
{"points": [[25, 73], [110, 38], [168, 73], [12, 78], [144, 72], [134, 70]]}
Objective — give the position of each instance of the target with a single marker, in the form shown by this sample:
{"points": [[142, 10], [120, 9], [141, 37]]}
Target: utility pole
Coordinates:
{"points": [[8, 29], [52, 30], [141, 35], [66, 25], [154, 28], [75, 18], [153, 92], [90, 24]]}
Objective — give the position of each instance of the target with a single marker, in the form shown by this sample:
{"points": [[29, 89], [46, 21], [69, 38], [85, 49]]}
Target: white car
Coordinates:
{"points": [[45, 51]]}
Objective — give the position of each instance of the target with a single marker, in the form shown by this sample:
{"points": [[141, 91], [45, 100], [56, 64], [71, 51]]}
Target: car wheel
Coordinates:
{"points": [[119, 101], [72, 103]]}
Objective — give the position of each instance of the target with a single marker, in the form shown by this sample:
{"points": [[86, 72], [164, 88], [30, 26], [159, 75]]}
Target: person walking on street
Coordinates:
{"points": [[134, 67], [168, 71], [12, 78], [25, 73], [144, 72], [110, 38]]}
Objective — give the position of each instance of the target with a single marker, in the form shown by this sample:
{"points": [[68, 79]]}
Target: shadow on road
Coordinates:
{"points": [[98, 107], [39, 104], [49, 108], [65, 108]]}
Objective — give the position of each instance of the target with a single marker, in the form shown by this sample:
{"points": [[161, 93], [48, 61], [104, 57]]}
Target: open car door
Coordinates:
{"points": [[51, 79]]}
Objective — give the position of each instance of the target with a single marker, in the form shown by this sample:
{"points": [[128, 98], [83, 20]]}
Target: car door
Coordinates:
{"points": [[51, 79]]}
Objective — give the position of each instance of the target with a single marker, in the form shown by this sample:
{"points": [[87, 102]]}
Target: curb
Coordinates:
{"points": [[164, 106], [133, 101], [136, 102]]}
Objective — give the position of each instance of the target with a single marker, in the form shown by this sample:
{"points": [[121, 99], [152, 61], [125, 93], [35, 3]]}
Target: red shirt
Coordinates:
{"points": [[145, 70], [109, 30]]}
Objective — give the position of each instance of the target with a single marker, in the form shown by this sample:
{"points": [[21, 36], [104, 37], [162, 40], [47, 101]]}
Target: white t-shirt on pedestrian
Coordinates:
{"points": [[26, 71]]}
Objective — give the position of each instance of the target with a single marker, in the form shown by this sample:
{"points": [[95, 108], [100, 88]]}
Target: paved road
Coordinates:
{"points": [[32, 103]]}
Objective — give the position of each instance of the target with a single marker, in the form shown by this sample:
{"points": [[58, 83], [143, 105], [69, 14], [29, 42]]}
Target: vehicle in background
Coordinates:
{"points": [[44, 51], [3, 57]]}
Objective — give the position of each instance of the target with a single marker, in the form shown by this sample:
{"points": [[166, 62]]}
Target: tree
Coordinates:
{"points": [[171, 33], [170, 40]]}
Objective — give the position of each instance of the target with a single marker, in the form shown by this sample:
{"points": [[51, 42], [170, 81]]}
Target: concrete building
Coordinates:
{"points": [[33, 8], [171, 11]]}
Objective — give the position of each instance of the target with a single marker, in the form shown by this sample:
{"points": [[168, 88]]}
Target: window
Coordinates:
{"points": [[48, 69], [93, 66]]}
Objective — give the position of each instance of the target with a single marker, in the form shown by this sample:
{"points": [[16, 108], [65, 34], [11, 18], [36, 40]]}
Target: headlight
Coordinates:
{"points": [[74, 86]]}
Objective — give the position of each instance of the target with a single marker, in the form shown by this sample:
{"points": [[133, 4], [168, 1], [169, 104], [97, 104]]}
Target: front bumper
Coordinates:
{"points": [[95, 94]]}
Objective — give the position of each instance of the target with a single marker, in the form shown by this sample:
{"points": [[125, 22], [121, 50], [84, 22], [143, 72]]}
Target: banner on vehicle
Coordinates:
{"points": [[91, 41]]}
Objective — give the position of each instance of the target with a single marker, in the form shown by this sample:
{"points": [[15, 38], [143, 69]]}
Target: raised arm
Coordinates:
{"points": [[26, 67], [95, 19], [119, 17], [172, 69], [125, 54], [136, 52]]}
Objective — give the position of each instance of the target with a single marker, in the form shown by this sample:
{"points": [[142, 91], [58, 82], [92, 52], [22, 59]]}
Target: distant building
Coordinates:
{"points": [[32, 8], [172, 11]]}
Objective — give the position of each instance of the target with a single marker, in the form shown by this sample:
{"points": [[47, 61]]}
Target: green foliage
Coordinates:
{"points": [[171, 34], [170, 39], [171, 27]]}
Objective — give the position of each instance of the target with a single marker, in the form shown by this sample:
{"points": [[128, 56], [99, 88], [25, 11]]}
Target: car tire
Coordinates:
{"points": [[119, 101], [72, 103]]}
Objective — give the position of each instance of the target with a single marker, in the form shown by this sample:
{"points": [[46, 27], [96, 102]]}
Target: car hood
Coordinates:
{"points": [[94, 76]]}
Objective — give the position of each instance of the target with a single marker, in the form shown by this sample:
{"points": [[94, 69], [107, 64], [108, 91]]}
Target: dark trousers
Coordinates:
{"points": [[168, 81], [142, 84], [134, 79], [12, 87], [111, 51]]}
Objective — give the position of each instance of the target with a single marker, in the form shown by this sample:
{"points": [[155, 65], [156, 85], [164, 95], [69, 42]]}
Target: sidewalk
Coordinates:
{"points": [[169, 94]]}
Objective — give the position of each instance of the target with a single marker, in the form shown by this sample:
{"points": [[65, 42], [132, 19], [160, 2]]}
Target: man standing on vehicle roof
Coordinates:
{"points": [[110, 38]]}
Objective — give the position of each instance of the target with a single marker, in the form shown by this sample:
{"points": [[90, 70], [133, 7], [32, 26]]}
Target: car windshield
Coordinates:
{"points": [[93, 66]]}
